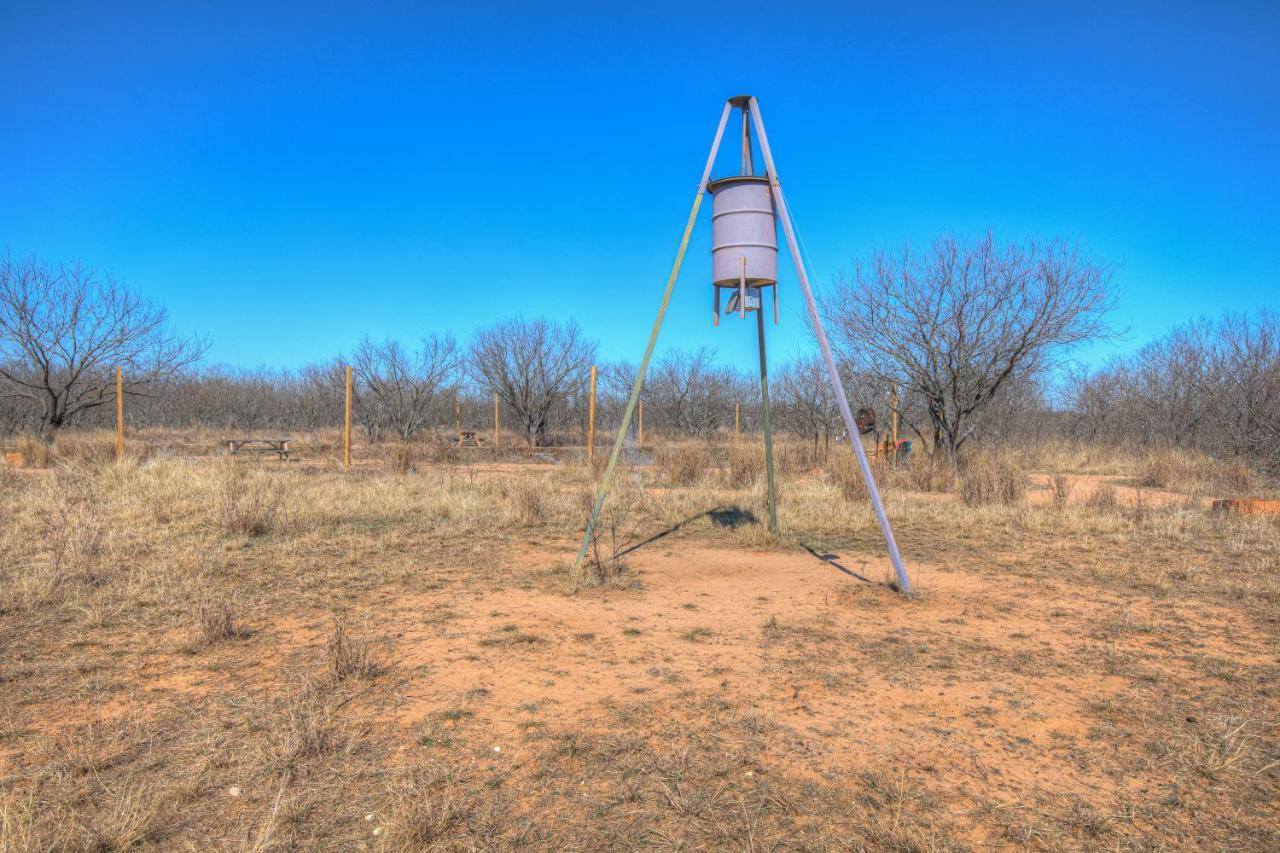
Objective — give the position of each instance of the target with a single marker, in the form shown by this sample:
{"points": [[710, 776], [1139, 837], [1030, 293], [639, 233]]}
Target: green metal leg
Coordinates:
{"points": [[607, 479]]}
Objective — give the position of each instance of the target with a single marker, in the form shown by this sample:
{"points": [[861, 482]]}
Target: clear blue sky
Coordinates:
{"points": [[286, 178]]}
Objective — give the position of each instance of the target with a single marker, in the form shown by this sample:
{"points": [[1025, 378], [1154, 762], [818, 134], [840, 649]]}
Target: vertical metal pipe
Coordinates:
{"points": [[742, 288], [591, 419], [747, 166], [768, 430], [607, 479], [346, 427], [119, 414], [904, 583]]}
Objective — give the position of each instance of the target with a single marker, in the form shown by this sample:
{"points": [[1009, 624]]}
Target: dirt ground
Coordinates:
{"points": [[405, 662]]}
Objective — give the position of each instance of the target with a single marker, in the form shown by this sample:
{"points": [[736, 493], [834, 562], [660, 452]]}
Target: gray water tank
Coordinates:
{"points": [[743, 225]]}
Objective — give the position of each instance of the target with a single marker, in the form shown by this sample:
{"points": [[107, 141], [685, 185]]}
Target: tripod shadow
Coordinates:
{"points": [[833, 561], [729, 517]]}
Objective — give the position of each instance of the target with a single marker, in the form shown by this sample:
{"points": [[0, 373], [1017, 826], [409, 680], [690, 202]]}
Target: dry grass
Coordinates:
{"points": [[349, 656], [215, 620], [847, 476], [32, 452], [744, 465], [251, 502], [989, 479], [682, 464], [401, 458], [1060, 490], [1060, 651], [1185, 470]]}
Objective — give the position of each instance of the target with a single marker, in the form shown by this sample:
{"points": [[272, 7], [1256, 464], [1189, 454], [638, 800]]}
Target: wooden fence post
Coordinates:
{"points": [[119, 414], [346, 426], [591, 419]]}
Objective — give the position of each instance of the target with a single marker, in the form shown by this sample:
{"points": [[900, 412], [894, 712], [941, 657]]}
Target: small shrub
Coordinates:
{"points": [[1104, 498], [598, 462], [929, 472], [87, 449], [249, 504], [986, 480], [32, 452], [1060, 490], [528, 502], [1182, 470], [844, 471], [697, 635], [1223, 746], [348, 656], [430, 811], [441, 452], [606, 565], [401, 458], [681, 464], [306, 731], [744, 466], [216, 621]]}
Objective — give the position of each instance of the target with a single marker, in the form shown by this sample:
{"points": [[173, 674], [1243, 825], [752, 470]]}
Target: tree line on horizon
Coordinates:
{"points": [[976, 335]]}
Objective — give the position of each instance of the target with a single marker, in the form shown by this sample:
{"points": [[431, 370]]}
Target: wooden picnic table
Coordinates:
{"points": [[469, 438], [278, 446]]}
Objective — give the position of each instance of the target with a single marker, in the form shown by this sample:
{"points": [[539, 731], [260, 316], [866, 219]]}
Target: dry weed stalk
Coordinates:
{"points": [[401, 458], [606, 564], [348, 656], [847, 476], [1060, 490], [681, 464], [249, 503], [992, 480], [216, 620]]}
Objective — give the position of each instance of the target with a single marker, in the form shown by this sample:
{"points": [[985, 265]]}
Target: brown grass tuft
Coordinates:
{"points": [[250, 503], [348, 656], [991, 480], [844, 471], [1104, 499], [216, 621], [682, 464], [32, 452], [401, 458], [744, 466], [1060, 490]]}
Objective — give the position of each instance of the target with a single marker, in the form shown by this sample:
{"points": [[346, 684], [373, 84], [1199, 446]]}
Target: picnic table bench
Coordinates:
{"points": [[278, 446], [469, 438]]}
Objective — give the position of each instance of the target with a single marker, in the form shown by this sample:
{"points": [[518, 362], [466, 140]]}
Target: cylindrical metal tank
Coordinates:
{"points": [[743, 225]]}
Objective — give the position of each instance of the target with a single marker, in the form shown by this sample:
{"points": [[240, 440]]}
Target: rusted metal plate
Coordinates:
{"points": [[1246, 506]]}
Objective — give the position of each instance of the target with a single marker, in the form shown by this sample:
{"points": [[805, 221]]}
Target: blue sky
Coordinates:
{"points": [[286, 178]]}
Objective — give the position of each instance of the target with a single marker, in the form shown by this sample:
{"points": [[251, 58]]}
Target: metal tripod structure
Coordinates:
{"points": [[751, 113]]}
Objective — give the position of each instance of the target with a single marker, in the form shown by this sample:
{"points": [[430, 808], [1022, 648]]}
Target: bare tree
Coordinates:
{"points": [[532, 365], [1213, 385], [955, 324], [63, 331], [690, 393], [396, 388], [804, 398]]}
